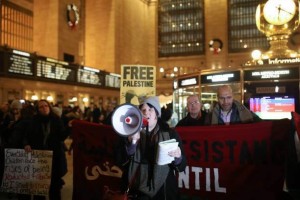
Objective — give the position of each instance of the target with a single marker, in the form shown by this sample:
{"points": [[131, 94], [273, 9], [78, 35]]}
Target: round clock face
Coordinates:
{"points": [[257, 16], [279, 12]]}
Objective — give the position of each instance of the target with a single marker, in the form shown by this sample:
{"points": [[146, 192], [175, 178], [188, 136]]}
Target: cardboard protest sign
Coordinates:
{"points": [[27, 173], [137, 82]]}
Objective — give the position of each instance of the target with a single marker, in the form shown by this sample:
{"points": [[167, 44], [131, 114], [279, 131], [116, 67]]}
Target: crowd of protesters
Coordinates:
{"points": [[41, 125]]}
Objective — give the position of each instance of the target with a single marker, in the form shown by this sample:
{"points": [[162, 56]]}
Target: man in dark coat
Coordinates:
{"points": [[195, 116]]}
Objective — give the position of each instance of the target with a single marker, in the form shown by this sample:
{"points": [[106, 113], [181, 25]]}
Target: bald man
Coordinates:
{"points": [[229, 111]]}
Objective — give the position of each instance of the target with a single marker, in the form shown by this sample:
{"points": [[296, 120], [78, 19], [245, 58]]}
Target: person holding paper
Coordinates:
{"points": [[195, 116], [46, 131], [151, 180]]}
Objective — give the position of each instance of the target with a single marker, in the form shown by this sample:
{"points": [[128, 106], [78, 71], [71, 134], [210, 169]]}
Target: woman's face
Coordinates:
{"points": [[43, 108], [150, 115]]}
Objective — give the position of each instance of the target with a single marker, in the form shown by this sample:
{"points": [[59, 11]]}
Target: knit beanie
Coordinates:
{"points": [[153, 100]]}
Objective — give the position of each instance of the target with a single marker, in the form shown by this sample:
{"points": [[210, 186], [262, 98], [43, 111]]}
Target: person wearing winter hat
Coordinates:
{"points": [[153, 181]]}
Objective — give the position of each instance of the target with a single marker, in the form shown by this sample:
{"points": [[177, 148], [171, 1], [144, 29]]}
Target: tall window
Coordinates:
{"points": [[16, 26], [181, 27], [243, 33]]}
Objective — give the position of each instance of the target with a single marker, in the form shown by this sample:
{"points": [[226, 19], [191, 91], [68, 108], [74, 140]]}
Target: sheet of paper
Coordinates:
{"points": [[162, 152]]}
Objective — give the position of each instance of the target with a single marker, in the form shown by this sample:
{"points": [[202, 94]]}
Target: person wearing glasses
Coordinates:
{"points": [[195, 116], [229, 111]]}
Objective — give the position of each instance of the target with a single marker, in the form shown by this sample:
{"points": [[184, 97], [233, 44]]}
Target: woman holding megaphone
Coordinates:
{"points": [[144, 175]]}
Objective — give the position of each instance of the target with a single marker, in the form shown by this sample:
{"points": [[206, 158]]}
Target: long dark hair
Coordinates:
{"points": [[51, 113]]}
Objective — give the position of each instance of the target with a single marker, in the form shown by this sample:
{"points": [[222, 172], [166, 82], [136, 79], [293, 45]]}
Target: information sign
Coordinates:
{"points": [[112, 80], [90, 76], [52, 69], [19, 64]]}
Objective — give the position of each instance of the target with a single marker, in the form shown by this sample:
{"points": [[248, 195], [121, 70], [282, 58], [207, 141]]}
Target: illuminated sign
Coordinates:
{"points": [[112, 80], [53, 69], [188, 81], [20, 64], [90, 76], [270, 74], [22, 53], [283, 61], [289, 73], [221, 77]]}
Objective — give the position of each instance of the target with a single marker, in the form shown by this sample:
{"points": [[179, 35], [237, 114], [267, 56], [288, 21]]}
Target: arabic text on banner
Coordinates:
{"points": [[224, 162]]}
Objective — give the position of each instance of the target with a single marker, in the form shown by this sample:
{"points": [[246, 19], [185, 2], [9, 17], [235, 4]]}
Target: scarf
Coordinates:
{"points": [[152, 176], [45, 122], [244, 114]]}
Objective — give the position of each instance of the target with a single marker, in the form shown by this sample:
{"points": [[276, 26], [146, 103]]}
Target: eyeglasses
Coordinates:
{"points": [[193, 103]]}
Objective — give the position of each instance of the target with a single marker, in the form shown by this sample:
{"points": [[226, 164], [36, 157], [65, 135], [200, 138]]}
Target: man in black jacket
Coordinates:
{"points": [[195, 116]]}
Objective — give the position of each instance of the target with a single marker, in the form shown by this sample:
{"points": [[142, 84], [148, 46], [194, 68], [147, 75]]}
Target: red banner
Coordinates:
{"points": [[235, 162], [224, 162], [93, 164], [296, 118]]}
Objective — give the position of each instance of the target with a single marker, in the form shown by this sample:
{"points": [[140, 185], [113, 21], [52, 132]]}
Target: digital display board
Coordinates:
{"points": [[20, 64], [112, 80], [94, 77], [52, 69], [25, 65], [272, 107]]}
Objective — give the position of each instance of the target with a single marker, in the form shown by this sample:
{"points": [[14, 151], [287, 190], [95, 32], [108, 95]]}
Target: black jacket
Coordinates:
{"points": [[58, 133], [169, 189], [189, 121]]}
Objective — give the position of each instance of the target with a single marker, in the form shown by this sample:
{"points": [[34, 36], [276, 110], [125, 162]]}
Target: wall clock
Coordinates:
{"points": [[279, 12]]}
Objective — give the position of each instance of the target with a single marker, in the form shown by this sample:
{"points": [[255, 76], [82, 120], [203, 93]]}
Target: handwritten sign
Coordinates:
{"points": [[27, 173]]}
